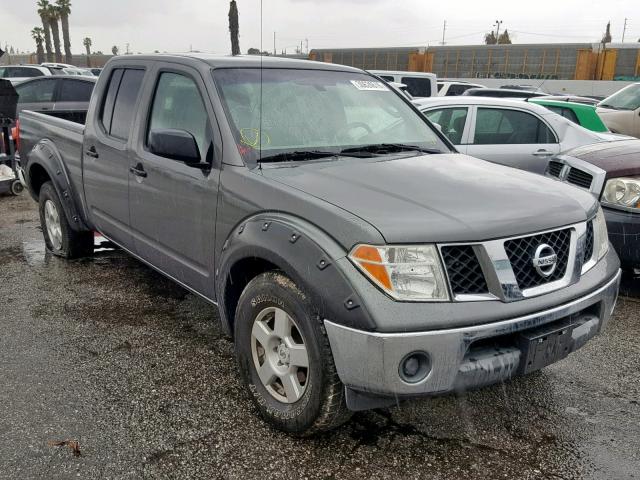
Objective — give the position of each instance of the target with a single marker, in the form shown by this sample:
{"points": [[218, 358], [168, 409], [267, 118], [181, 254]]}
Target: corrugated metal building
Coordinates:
{"points": [[566, 61]]}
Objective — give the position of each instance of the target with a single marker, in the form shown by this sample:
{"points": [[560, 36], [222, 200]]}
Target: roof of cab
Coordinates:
{"points": [[241, 61]]}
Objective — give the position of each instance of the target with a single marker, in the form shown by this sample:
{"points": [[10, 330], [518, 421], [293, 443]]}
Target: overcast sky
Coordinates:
{"points": [[177, 26]]}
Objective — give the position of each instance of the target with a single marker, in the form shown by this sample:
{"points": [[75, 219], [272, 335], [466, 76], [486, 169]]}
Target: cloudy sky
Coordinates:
{"points": [[177, 26]]}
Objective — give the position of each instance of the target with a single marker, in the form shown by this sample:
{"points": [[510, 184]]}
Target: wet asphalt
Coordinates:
{"points": [[135, 372]]}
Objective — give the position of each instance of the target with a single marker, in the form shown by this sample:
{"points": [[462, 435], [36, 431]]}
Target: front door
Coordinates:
{"points": [[106, 156], [512, 137], [173, 205]]}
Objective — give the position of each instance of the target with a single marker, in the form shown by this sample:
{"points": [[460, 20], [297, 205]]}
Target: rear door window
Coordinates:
{"points": [[502, 126], [75, 91], [120, 102], [37, 91], [417, 86]]}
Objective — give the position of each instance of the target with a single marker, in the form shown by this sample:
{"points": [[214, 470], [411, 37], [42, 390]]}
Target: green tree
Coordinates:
{"points": [[37, 33], [43, 11], [606, 38], [64, 10], [54, 16], [504, 38], [234, 28], [115, 50], [490, 38]]}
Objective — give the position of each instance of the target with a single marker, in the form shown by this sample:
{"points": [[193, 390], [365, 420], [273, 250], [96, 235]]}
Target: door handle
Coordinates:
{"points": [[138, 171], [542, 153], [91, 152]]}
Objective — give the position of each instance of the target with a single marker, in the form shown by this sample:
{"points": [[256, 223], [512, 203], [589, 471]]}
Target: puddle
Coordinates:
{"points": [[34, 252]]}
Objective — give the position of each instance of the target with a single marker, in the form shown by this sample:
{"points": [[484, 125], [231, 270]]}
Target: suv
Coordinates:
{"points": [[419, 84]]}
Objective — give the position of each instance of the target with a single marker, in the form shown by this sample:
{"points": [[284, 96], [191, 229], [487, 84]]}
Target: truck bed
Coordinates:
{"points": [[67, 136]]}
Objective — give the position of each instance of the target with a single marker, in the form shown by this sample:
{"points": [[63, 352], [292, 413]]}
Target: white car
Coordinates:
{"points": [[511, 132], [19, 73], [453, 88], [419, 84], [621, 111]]}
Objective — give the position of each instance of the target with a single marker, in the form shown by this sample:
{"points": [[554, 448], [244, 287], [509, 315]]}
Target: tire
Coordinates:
{"points": [[317, 403], [16, 188], [59, 237]]}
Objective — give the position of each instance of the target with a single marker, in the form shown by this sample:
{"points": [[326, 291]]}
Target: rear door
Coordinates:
{"points": [[106, 155], [173, 205], [512, 137]]}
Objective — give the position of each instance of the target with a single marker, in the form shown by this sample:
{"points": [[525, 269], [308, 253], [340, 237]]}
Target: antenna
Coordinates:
{"points": [[260, 113]]}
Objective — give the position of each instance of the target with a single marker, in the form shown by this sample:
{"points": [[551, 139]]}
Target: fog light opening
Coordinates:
{"points": [[414, 367]]}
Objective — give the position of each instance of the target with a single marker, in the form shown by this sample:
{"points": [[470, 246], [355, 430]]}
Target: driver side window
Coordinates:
{"points": [[177, 104], [452, 121]]}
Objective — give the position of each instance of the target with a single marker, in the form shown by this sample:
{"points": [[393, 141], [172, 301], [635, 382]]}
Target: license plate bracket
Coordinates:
{"points": [[544, 346]]}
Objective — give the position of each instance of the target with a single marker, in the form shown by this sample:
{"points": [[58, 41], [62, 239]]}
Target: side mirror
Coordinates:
{"points": [[175, 144], [438, 126]]}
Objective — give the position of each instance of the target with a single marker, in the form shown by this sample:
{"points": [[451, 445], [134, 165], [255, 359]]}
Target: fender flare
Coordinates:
{"points": [[305, 254], [46, 155]]}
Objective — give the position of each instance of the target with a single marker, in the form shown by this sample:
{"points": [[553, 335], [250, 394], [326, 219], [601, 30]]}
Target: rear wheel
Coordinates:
{"points": [[59, 237], [285, 359]]}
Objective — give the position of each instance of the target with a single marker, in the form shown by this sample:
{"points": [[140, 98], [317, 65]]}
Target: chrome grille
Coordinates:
{"points": [[520, 252], [463, 268], [579, 178], [555, 168]]}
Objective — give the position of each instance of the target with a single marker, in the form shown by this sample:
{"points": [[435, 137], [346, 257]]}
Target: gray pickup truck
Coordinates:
{"points": [[355, 257]]}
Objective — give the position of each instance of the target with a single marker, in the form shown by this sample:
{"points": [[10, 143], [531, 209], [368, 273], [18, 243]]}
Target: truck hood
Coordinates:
{"points": [[438, 198]]}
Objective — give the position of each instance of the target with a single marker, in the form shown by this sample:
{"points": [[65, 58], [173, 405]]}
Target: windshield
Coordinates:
{"points": [[626, 99], [317, 111]]}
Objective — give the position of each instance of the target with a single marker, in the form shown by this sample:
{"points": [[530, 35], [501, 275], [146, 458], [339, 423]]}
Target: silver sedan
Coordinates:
{"points": [[511, 132]]}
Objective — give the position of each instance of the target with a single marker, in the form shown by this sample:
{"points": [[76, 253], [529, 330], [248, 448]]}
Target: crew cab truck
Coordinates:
{"points": [[355, 257]]}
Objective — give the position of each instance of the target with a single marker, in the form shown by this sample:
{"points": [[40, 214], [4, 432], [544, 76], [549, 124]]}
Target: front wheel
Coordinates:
{"points": [[285, 359], [59, 237]]}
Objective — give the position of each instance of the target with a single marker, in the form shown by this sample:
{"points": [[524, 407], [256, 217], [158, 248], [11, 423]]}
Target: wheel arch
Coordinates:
{"points": [[44, 163], [301, 251]]}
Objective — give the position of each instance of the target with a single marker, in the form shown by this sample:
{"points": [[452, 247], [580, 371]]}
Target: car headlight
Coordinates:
{"points": [[600, 235], [409, 273], [622, 193]]}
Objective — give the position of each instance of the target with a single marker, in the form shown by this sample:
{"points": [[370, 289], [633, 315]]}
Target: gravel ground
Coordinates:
{"points": [[107, 353]]}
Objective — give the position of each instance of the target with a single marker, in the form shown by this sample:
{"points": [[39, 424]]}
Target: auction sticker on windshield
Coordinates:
{"points": [[369, 85]]}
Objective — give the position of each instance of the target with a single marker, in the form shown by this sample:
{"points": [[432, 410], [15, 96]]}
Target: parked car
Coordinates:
{"points": [[453, 88], [18, 73], [579, 113], [573, 99], [611, 172], [621, 111], [66, 97], [419, 84], [355, 257], [511, 132], [502, 93]]}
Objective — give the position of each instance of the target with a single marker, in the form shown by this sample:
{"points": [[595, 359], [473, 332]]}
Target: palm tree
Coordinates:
{"points": [[54, 15], [115, 50], [87, 44], [37, 34], [64, 9], [43, 11], [234, 28]]}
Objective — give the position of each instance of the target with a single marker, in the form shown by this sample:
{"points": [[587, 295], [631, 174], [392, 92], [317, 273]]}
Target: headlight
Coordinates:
{"points": [[622, 193], [410, 273], [600, 235]]}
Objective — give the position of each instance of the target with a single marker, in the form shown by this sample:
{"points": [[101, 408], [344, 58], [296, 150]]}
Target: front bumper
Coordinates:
{"points": [[624, 235], [460, 358]]}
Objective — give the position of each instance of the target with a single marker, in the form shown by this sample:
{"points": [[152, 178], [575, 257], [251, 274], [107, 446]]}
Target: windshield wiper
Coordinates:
{"points": [[383, 148], [604, 105], [297, 155]]}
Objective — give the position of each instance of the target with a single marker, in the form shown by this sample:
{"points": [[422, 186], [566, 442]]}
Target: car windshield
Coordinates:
{"points": [[626, 99], [279, 114]]}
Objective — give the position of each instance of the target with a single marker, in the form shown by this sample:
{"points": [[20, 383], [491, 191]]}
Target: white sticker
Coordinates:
{"points": [[370, 85]]}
